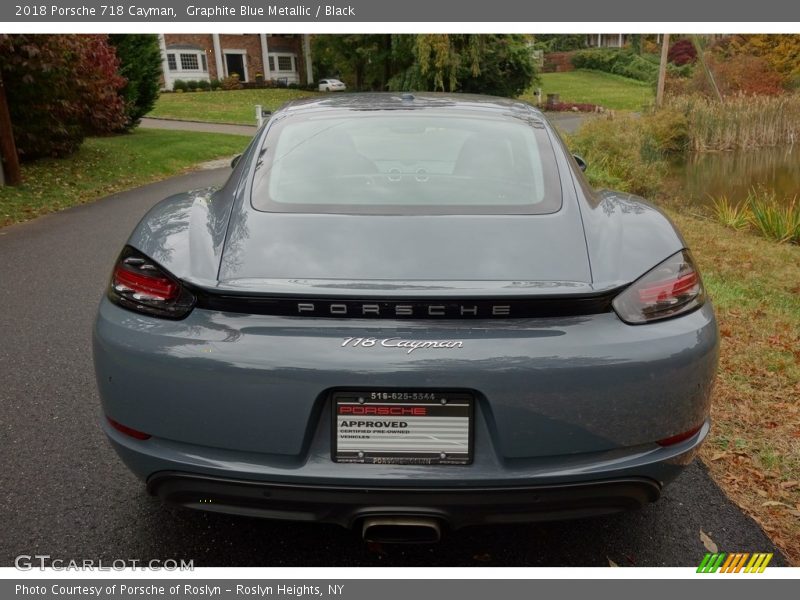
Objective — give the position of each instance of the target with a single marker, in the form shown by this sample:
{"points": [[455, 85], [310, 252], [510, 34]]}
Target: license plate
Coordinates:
{"points": [[402, 427]]}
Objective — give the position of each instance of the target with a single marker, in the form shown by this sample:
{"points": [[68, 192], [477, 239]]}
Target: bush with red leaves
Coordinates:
{"points": [[573, 106], [739, 74], [682, 53], [60, 88]]}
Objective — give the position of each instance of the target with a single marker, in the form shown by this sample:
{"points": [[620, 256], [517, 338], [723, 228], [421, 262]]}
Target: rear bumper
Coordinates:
{"points": [[347, 505], [567, 412], [544, 388]]}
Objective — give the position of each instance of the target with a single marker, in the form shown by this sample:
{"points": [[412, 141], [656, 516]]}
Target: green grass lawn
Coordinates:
{"points": [[595, 87], [106, 165], [236, 106]]}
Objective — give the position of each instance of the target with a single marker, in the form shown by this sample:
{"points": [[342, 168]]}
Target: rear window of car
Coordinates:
{"points": [[404, 162]]}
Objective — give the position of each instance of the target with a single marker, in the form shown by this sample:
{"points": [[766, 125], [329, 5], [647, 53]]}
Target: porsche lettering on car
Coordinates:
{"points": [[406, 313]]}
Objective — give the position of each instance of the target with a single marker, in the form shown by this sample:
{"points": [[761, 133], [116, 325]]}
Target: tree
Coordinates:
{"points": [[501, 65], [780, 51], [506, 67], [444, 58], [59, 89], [360, 59], [491, 64], [560, 42], [140, 64]]}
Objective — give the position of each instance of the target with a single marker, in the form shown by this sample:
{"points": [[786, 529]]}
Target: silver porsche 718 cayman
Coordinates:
{"points": [[406, 313]]}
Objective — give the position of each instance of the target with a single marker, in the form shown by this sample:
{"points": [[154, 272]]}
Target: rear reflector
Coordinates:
{"points": [[681, 437], [139, 435]]}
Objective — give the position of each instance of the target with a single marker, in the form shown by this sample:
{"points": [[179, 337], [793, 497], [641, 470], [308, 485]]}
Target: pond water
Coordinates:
{"points": [[708, 175]]}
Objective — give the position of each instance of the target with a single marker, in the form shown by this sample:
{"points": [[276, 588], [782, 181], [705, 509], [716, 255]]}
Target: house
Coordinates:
{"points": [[283, 58], [606, 40]]}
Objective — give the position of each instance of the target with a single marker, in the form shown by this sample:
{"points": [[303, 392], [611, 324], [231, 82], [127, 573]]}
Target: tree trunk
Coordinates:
{"points": [[8, 149]]}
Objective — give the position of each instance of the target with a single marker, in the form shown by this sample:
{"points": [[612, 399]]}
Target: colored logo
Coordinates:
{"points": [[734, 562]]}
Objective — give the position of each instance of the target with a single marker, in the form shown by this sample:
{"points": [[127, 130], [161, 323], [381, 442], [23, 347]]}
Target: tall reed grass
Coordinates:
{"points": [[761, 210], [740, 121]]}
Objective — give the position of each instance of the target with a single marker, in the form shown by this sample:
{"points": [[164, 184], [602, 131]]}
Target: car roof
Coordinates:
{"points": [[413, 100]]}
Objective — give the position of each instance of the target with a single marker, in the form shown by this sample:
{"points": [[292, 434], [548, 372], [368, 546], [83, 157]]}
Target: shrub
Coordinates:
{"points": [[140, 64], [780, 51], [614, 149], [739, 73], [231, 82], [99, 86], [666, 133], [682, 53], [179, 85], [59, 89], [560, 42], [204, 85], [215, 84], [192, 84], [618, 61], [573, 106]]}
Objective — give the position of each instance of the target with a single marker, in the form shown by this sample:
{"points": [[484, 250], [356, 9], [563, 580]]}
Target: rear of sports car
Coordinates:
{"points": [[405, 321]]}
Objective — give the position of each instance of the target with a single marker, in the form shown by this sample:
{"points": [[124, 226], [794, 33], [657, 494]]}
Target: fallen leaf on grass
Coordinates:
{"points": [[787, 485], [708, 542], [718, 456], [611, 563], [774, 503]]}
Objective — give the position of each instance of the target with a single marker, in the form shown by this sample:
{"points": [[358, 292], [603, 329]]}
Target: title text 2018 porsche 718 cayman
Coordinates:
{"points": [[404, 313]]}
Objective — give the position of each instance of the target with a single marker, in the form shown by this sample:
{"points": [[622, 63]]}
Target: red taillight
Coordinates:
{"points": [[141, 285], [669, 289], [151, 286], [134, 433], [664, 290], [681, 437]]}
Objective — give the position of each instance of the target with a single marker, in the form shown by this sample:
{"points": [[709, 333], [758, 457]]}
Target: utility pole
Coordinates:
{"points": [[701, 56], [9, 161], [662, 71]]}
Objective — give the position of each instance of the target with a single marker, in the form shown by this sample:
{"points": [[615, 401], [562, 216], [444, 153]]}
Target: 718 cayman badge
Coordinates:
{"points": [[395, 342]]}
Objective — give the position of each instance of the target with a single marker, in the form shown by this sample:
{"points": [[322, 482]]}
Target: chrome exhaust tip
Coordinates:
{"points": [[401, 530]]}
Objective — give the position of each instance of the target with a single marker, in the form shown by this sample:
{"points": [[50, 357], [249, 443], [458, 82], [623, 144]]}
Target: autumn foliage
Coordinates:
{"points": [[60, 88], [682, 53], [741, 73], [780, 52]]}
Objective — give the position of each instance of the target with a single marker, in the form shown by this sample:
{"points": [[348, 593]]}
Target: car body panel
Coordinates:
{"points": [[548, 387], [604, 239], [558, 399]]}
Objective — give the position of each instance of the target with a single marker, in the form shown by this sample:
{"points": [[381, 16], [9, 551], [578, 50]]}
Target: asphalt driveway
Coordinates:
{"points": [[63, 492]]}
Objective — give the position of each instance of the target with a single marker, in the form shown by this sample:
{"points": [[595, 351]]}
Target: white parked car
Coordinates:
{"points": [[331, 85]]}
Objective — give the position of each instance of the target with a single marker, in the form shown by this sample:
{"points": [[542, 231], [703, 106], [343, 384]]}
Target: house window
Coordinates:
{"points": [[171, 62], [204, 60], [285, 63], [189, 62], [271, 63]]}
